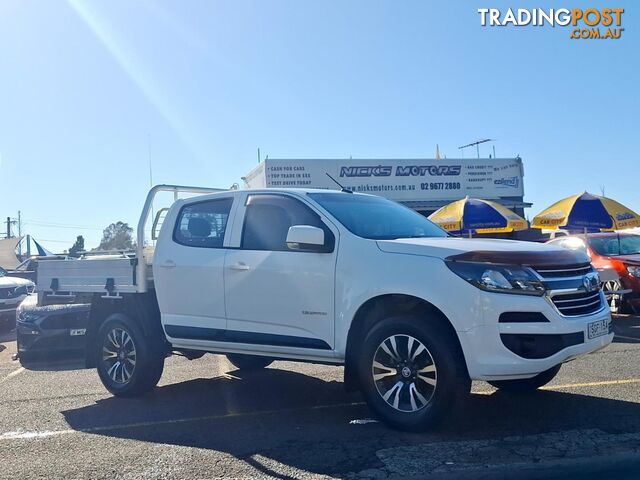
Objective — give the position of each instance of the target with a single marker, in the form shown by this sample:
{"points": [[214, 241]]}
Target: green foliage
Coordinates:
{"points": [[77, 247], [117, 236]]}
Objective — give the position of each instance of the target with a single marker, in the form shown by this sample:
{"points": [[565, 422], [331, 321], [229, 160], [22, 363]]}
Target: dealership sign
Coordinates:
{"points": [[403, 180]]}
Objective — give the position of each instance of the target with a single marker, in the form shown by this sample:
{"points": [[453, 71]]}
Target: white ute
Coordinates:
{"points": [[337, 278]]}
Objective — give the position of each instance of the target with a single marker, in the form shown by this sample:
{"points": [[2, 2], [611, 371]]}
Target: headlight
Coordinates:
{"points": [[21, 290], [498, 278], [28, 317], [634, 270]]}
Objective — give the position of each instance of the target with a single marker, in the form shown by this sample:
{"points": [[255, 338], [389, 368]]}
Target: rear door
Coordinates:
{"points": [[188, 268], [276, 296]]}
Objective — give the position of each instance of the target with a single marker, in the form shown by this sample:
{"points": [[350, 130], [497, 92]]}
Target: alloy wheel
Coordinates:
{"points": [[404, 373], [119, 355], [613, 299]]}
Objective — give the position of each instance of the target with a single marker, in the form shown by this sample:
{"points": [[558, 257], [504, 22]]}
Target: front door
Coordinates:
{"points": [[277, 296]]}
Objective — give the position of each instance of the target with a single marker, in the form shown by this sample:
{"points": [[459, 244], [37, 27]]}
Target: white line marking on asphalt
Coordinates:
{"points": [[363, 421], [592, 384], [12, 374], [27, 435], [24, 434], [566, 386]]}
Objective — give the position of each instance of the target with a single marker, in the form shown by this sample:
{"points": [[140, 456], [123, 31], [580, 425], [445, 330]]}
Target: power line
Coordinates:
{"points": [[60, 225], [56, 241], [46, 222]]}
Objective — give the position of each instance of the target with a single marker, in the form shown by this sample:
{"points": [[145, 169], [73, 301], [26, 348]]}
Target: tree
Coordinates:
{"points": [[117, 236], [77, 247]]}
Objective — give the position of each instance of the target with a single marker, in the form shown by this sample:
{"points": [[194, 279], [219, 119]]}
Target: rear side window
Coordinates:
{"points": [[203, 224], [268, 218]]}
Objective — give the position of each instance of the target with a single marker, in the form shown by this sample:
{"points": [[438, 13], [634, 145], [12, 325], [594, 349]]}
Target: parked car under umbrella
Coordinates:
{"points": [[588, 213]]}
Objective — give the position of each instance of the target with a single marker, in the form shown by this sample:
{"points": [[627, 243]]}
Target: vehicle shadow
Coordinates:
{"points": [[626, 328], [8, 335], [308, 424], [52, 364], [6, 338]]}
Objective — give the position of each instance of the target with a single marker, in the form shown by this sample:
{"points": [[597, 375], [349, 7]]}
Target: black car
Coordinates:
{"points": [[50, 332]]}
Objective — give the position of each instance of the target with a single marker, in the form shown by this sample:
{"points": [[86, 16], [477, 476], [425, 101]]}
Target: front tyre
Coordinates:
{"points": [[526, 385], [412, 372], [128, 362]]}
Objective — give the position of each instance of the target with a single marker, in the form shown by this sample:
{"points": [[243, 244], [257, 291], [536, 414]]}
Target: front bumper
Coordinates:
{"points": [[52, 335], [8, 310], [489, 358]]}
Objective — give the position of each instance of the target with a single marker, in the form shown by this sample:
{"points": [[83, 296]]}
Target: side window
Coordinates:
{"points": [[203, 224], [268, 218]]}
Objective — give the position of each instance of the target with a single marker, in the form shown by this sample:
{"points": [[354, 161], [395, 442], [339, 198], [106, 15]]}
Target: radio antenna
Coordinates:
{"points": [[342, 189], [477, 145]]}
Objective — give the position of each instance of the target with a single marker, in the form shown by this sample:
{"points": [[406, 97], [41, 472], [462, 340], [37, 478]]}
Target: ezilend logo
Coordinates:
{"points": [[508, 182], [401, 171]]}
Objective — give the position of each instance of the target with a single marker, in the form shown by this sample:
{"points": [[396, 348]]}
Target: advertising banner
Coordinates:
{"points": [[401, 180]]}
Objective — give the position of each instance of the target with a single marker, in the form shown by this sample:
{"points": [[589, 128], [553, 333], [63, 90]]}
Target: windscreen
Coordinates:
{"points": [[616, 245], [376, 218]]}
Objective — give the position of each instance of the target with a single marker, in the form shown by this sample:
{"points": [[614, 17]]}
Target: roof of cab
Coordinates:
{"points": [[300, 191]]}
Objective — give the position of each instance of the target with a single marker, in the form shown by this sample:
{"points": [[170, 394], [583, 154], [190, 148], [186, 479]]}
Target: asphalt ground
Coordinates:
{"points": [[208, 420]]}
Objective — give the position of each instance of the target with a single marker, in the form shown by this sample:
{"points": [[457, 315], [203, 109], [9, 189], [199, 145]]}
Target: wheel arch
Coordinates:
{"points": [[143, 308], [380, 307]]}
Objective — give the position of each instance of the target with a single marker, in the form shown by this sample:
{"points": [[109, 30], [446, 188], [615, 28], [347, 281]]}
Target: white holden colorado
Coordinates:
{"points": [[334, 277]]}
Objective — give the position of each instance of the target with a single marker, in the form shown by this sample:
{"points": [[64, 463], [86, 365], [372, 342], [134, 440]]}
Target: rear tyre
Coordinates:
{"points": [[128, 362], [249, 362], [527, 384], [412, 372]]}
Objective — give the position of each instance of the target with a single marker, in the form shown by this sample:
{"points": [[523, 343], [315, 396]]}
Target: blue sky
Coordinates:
{"points": [[88, 89]]}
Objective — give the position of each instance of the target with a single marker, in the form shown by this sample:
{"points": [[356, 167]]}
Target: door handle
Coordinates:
{"points": [[241, 267], [168, 264]]}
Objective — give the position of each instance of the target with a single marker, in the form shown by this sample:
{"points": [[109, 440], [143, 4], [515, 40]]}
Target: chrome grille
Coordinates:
{"points": [[564, 271], [7, 292], [566, 290], [579, 303]]}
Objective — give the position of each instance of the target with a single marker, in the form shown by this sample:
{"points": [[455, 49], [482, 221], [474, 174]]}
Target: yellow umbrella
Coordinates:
{"points": [[476, 215], [586, 211]]}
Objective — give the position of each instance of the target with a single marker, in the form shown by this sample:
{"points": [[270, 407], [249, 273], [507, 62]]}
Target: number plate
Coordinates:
{"points": [[597, 329]]}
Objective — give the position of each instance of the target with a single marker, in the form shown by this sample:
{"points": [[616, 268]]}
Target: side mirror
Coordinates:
{"points": [[305, 237]]}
